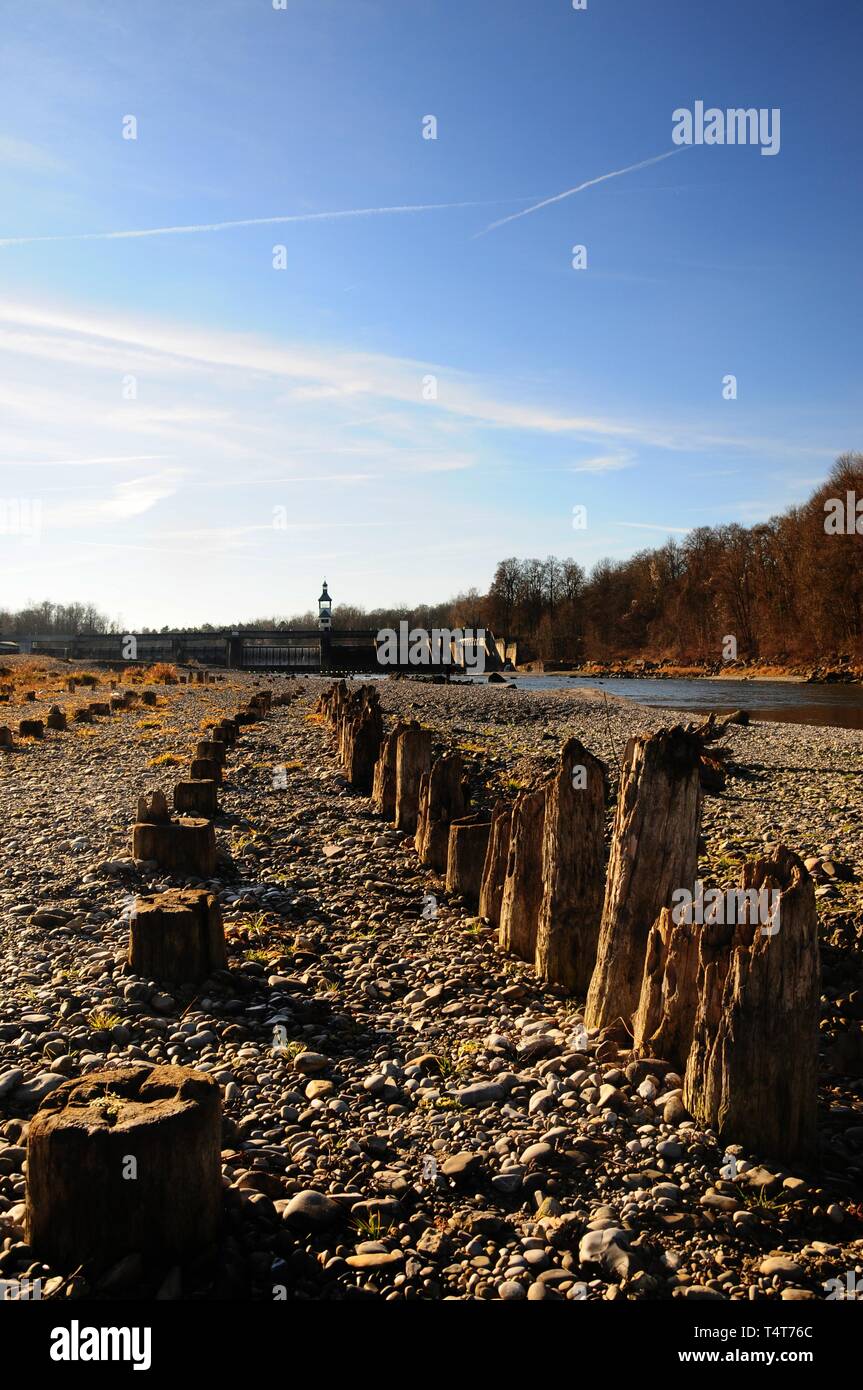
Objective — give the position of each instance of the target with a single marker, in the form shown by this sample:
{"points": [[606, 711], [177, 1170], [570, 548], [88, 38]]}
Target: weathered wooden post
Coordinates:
{"points": [[654, 851], [573, 870], [125, 1161], [56, 719], [441, 802], [206, 770], [186, 845], [197, 798], [364, 731], [494, 869], [31, 728], [6, 737], [752, 1073], [213, 750], [384, 783], [468, 846], [522, 887], [177, 936], [413, 758], [664, 1019]]}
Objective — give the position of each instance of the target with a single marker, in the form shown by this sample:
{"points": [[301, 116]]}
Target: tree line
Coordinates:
{"points": [[788, 589]]}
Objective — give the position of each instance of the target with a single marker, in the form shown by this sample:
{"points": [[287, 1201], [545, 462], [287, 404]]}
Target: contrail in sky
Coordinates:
{"points": [[589, 183], [252, 222]]}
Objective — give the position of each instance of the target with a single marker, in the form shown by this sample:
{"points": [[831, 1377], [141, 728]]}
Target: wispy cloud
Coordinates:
{"points": [[20, 154], [650, 526], [579, 188], [605, 463], [254, 221]]}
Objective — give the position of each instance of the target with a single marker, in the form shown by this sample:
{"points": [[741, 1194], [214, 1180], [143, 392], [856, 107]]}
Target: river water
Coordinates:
{"points": [[785, 701]]}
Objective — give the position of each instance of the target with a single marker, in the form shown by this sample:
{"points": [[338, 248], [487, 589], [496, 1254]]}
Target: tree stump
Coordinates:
{"points": [[752, 1073], [124, 1161], [664, 1020], [185, 846], [440, 803], [177, 937], [384, 783], [522, 887], [206, 770], [654, 851], [199, 798], [413, 758], [6, 738], [31, 728], [468, 846], [573, 870], [494, 869], [56, 719]]}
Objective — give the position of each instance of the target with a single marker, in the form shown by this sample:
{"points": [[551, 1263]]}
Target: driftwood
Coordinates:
{"points": [[494, 869], [654, 851], [441, 801], [522, 888], [752, 1071], [468, 844], [573, 870], [413, 758], [177, 936], [126, 1160], [384, 783]]}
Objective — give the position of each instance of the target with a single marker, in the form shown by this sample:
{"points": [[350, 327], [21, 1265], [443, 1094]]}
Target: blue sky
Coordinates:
{"points": [[165, 398]]}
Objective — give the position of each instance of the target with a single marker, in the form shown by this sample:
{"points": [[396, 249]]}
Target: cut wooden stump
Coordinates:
{"points": [[573, 870], [752, 1073], [664, 1020], [153, 807], [177, 936], [31, 728], [148, 697], [384, 782], [185, 846], [125, 1161], [206, 770], [413, 758], [468, 846], [82, 715], [522, 887], [56, 719], [230, 730], [6, 737], [494, 869], [197, 798], [100, 707], [654, 851], [441, 802]]}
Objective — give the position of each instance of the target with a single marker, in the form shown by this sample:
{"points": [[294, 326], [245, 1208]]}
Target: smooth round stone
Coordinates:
{"points": [[510, 1291]]}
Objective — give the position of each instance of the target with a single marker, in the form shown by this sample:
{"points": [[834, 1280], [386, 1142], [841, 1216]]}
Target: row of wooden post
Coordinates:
{"points": [[733, 1006]]}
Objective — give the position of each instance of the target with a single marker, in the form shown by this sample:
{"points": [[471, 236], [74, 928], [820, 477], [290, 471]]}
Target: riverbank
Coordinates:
{"points": [[839, 672], [432, 1128]]}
